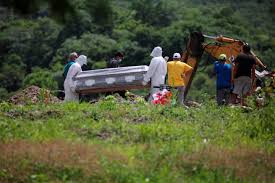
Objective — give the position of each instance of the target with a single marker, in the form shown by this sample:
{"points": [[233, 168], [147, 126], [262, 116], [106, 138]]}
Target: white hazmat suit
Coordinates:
{"points": [[156, 72], [69, 83]]}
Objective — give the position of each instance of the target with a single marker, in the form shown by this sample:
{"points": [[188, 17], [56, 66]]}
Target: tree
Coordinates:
{"points": [[154, 12], [101, 11], [32, 41], [97, 47], [41, 78], [12, 72]]}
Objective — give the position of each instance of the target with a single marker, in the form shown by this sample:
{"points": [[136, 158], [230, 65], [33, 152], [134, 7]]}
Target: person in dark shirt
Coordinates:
{"points": [[115, 62], [244, 73], [223, 82]]}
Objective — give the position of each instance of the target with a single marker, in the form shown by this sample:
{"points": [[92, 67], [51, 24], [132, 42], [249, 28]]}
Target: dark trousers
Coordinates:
{"points": [[223, 96]]}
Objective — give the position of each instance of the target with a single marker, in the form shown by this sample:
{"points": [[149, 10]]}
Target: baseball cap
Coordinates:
{"points": [[222, 57], [176, 55]]}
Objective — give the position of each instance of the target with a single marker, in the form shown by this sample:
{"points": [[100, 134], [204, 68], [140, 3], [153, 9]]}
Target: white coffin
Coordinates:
{"points": [[111, 79]]}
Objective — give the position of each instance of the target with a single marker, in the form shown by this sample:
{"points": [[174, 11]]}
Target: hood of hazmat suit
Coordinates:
{"points": [[81, 60], [157, 52], [69, 83]]}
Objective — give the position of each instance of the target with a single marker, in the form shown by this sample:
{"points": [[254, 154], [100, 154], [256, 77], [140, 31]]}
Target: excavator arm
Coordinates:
{"points": [[229, 46]]}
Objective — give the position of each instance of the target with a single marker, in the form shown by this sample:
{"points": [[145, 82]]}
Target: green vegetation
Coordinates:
{"points": [[112, 141], [115, 140], [36, 36]]}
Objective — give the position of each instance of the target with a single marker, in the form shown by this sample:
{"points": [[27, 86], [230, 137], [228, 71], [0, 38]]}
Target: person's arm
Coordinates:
{"points": [[114, 62], [231, 73], [151, 70], [187, 71], [216, 67], [215, 70], [235, 66], [253, 76]]}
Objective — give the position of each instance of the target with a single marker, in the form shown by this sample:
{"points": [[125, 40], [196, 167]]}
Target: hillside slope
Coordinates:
{"points": [[121, 141], [34, 45]]}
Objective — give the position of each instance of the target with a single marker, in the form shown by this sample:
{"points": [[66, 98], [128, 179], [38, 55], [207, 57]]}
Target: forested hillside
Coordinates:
{"points": [[36, 36], [124, 141]]}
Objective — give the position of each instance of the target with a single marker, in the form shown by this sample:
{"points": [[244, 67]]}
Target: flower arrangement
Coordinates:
{"points": [[163, 97]]}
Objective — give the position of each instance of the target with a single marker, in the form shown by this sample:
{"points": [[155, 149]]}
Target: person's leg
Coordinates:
{"points": [[69, 94], [233, 98], [226, 96], [246, 87], [181, 90], [152, 92], [237, 91], [219, 96]]}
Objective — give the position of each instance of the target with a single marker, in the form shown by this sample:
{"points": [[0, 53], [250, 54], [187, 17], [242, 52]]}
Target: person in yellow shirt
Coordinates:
{"points": [[178, 72]]}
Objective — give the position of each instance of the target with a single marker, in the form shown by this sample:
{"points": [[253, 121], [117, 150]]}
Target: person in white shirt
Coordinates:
{"points": [[156, 72]]}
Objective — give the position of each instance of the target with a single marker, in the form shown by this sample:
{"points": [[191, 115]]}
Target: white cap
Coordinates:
{"points": [[176, 55]]}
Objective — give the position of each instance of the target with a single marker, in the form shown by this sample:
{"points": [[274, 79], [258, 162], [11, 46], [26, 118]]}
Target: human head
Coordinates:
{"points": [[246, 48], [222, 57], [157, 52], [119, 55], [176, 56], [73, 56], [82, 60]]}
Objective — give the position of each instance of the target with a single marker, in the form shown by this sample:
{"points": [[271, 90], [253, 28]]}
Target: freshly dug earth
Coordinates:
{"points": [[33, 94]]}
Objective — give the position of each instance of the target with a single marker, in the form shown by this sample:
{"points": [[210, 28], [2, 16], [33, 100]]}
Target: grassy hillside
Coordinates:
{"points": [[36, 36], [122, 141]]}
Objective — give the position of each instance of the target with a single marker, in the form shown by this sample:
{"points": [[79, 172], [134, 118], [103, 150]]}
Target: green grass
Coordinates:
{"points": [[113, 141]]}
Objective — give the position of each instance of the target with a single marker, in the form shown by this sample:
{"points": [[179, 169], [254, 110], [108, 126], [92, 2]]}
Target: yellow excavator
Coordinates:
{"points": [[196, 46]]}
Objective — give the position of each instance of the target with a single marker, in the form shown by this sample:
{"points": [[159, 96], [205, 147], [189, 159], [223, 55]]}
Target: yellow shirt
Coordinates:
{"points": [[176, 71]]}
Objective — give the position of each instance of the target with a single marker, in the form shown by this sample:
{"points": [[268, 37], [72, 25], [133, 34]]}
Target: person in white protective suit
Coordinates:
{"points": [[69, 83], [156, 72]]}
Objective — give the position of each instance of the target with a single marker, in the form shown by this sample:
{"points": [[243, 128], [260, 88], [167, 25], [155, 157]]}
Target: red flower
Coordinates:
{"points": [[162, 98]]}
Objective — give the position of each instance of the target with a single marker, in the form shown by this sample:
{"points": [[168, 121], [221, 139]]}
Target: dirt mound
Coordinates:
{"points": [[33, 94]]}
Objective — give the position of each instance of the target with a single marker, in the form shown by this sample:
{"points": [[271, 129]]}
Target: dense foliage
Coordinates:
{"points": [[39, 34]]}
